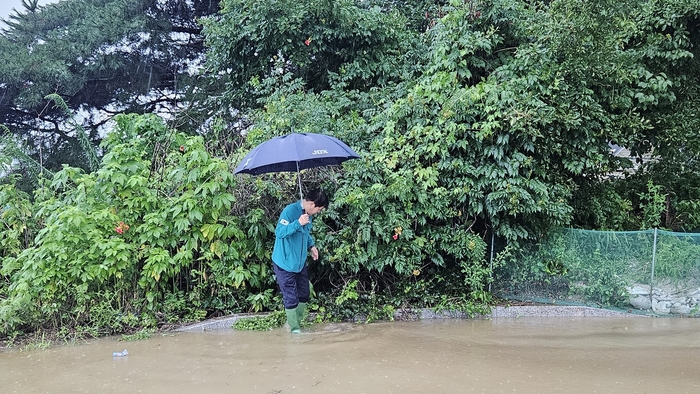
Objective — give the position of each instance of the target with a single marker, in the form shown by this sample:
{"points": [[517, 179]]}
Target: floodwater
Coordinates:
{"points": [[503, 355]]}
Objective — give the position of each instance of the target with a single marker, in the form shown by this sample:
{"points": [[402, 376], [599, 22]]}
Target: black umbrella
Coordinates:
{"points": [[295, 152]]}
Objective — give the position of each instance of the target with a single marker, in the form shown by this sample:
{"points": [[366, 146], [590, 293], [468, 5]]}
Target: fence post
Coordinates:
{"points": [[653, 263], [491, 260]]}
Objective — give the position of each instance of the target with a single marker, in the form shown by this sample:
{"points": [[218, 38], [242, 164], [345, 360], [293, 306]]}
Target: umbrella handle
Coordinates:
{"points": [[303, 211], [301, 195]]}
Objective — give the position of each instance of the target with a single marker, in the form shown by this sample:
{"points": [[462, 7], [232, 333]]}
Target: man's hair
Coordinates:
{"points": [[318, 197]]}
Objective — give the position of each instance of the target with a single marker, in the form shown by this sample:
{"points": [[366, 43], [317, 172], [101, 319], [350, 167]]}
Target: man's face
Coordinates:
{"points": [[312, 209]]}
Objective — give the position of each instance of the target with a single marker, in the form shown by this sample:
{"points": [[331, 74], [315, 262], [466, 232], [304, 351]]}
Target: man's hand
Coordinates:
{"points": [[304, 219], [314, 253]]}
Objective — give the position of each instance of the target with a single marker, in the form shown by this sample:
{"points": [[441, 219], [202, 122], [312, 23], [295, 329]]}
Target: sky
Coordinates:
{"points": [[6, 6]]}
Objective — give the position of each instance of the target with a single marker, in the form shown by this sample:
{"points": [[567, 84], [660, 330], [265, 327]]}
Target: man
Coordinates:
{"points": [[292, 243]]}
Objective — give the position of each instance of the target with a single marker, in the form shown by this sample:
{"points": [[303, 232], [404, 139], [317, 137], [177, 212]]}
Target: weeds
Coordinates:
{"points": [[261, 323], [137, 336]]}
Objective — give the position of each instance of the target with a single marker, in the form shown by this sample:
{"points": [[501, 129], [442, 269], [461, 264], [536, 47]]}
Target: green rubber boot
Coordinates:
{"points": [[301, 310], [293, 320]]}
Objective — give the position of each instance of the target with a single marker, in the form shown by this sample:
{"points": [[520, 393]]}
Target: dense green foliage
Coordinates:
{"points": [[134, 230], [474, 119]]}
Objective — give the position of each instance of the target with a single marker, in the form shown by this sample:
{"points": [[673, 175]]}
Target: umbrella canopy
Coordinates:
{"points": [[295, 152]]}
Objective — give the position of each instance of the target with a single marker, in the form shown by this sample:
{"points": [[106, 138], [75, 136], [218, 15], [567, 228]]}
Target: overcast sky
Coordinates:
{"points": [[6, 6]]}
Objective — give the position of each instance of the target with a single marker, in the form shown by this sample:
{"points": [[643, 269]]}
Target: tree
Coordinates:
{"points": [[254, 46], [102, 57], [646, 79], [507, 125]]}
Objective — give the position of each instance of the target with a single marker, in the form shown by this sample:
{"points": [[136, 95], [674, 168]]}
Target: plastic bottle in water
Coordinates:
{"points": [[120, 354]]}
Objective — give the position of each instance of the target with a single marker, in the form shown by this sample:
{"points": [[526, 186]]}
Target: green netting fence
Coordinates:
{"points": [[652, 271]]}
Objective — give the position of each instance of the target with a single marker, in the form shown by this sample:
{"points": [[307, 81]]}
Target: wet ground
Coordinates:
{"points": [[502, 355]]}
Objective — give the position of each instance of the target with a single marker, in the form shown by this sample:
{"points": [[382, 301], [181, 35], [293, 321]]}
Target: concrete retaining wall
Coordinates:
{"points": [[225, 323]]}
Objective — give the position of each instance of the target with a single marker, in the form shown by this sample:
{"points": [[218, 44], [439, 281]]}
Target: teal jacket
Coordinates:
{"points": [[292, 240]]}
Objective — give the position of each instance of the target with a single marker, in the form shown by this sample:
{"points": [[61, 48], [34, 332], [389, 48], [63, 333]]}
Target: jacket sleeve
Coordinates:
{"points": [[286, 225]]}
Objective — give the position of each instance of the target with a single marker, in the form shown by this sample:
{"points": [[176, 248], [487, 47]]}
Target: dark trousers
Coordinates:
{"points": [[293, 285]]}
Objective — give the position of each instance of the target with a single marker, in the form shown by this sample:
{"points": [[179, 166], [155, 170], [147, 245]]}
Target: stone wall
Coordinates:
{"points": [[665, 299]]}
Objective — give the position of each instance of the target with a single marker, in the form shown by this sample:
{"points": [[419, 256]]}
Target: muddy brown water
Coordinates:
{"points": [[504, 355]]}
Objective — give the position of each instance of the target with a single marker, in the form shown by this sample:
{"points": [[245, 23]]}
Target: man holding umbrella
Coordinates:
{"points": [[292, 153], [293, 241]]}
